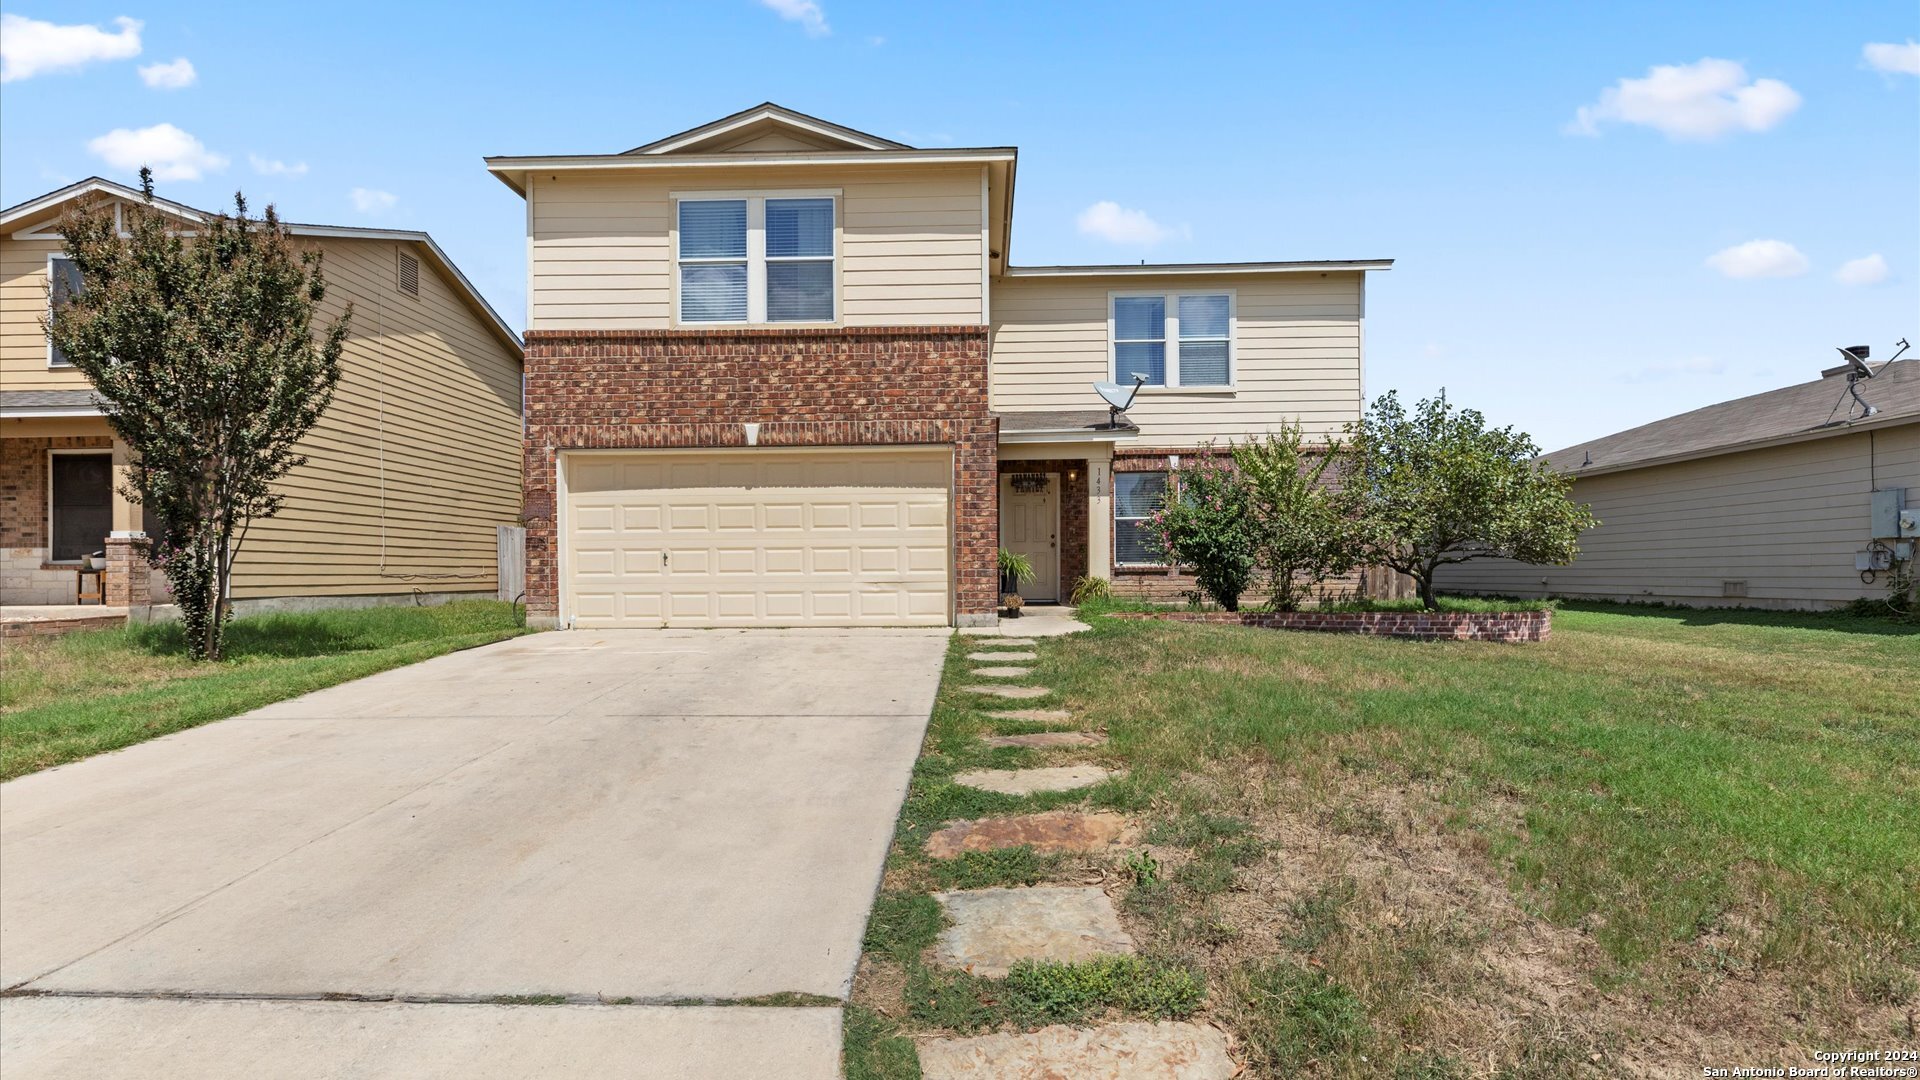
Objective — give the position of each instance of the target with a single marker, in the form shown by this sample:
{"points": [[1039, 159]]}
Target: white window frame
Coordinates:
{"points": [[56, 365], [1171, 334], [1167, 474], [757, 258], [77, 451]]}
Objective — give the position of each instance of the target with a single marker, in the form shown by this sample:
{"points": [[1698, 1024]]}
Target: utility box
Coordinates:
{"points": [[1887, 504], [1910, 523], [1873, 559]]}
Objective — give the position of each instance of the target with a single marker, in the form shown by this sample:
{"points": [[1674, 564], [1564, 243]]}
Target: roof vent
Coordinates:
{"points": [[410, 276]]}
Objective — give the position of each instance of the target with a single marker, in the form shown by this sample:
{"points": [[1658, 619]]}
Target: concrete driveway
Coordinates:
{"points": [[350, 881]]}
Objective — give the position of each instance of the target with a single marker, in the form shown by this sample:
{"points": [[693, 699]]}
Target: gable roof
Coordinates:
{"points": [[729, 131], [1809, 410], [41, 206]]}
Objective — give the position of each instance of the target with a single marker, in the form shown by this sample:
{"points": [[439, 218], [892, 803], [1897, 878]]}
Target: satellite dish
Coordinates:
{"points": [[1118, 396], [1856, 356]]}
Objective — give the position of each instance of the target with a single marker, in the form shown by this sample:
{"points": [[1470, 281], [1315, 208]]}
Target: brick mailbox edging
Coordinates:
{"points": [[1511, 627]]}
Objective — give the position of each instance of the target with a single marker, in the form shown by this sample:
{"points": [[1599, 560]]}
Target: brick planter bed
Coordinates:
{"points": [[1512, 627]]}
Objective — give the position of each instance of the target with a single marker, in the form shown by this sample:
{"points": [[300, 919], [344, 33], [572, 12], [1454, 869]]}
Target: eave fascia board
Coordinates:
{"points": [[1067, 435], [723, 126], [1200, 269], [92, 185], [50, 412], [510, 169]]}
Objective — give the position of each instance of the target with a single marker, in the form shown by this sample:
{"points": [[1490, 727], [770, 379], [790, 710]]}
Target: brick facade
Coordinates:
{"points": [[25, 577], [1072, 541], [811, 387]]}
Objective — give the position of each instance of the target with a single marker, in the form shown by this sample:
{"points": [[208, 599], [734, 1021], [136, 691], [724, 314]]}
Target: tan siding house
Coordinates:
{"points": [[1758, 502], [781, 372], [409, 473]]}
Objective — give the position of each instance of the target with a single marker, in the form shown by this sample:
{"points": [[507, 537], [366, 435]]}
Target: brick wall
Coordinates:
{"points": [[1072, 541], [23, 519], [842, 386]]}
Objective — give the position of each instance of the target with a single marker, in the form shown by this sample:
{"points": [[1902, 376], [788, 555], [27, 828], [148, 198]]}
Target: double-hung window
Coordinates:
{"points": [[1135, 497], [63, 280], [756, 259], [1173, 339]]}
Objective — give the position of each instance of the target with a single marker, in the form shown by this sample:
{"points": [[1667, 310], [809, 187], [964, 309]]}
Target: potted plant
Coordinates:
{"points": [[1015, 568]]}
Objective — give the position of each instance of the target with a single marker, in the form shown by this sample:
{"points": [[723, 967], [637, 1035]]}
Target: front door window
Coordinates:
{"points": [[82, 505]]}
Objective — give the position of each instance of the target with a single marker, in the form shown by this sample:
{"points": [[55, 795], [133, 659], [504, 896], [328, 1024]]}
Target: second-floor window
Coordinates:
{"points": [[63, 278], [756, 259], [1173, 339]]}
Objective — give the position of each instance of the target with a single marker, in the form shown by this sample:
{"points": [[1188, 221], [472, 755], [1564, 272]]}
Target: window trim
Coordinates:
{"points": [[757, 259], [1171, 334], [74, 451], [1118, 562], [52, 364]]}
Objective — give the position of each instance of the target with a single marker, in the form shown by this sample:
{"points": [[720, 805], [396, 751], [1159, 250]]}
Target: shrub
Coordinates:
{"points": [[1301, 539], [1210, 526], [1088, 589]]}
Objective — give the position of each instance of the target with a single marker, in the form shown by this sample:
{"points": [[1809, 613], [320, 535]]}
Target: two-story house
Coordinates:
{"points": [[408, 476], [782, 372]]}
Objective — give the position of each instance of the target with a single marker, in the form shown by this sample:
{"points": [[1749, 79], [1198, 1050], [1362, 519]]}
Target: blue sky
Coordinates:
{"points": [[1677, 246]]}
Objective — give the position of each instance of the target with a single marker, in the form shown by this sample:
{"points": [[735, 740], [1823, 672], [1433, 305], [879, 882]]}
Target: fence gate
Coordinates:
{"points": [[511, 561]]}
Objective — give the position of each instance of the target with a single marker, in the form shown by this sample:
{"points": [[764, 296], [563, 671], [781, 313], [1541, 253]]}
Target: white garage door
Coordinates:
{"points": [[758, 538]]}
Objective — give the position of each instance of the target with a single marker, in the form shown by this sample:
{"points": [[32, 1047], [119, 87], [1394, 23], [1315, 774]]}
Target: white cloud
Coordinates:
{"points": [[1674, 369], [1691, 101], [30, 47], [1866, 270], [372, 201], [172, 154], [805, 12], [276, 167], [1116, 224], [1893, 59], [1759, 259], [175, 76], [877, 40]]}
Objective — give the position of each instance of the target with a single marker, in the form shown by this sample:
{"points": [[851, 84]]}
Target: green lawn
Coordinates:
{"points": [[1662, 836], [65, 698]]}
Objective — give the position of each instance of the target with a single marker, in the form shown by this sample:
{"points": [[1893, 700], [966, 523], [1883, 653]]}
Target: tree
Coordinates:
{"points": [[1301, 537], [1206, 521], [202, 349], [1439, 487]]}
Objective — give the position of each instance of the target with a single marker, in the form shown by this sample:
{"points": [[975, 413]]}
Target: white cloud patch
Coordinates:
{"points": [[1676, 369], [373, 201], [276, 167], [1759, 259], [1691, 102], [805, 12], [30, 47], [1893, 59], [1118, 225], [175, 76], [1866, 270], [172, 154]]}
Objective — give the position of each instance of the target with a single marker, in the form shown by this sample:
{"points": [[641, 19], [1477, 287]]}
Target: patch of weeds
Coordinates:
{"points": [[1290, 1016], [1207, 929], [1154, 901], [872, 1047], [954, 1000], [1049, 992], [1212, 870], [902, 924], [784, 999], [1129, 794], [528, 999], [1319, 913], [999, 867], [1192, 830], [1429, 1067], [1141, 867], [1362, 821], [1884, 984], [621, 1001]]}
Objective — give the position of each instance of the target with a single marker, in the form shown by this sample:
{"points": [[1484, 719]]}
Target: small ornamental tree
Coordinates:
{"points": [[1437, 487], [203, 351], [1207, 522], [1301, 538]]}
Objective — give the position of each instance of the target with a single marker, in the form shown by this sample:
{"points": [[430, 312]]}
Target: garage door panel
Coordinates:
{"points": [[833, 538]]}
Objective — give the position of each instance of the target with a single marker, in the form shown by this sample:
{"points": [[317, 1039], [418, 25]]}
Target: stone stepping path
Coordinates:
{"points": [[1066, 832], [1138, 1051], [992, 657], [1015, 692], [1010, 643], [1035, 716], [1029, 781], [1047, 740], [994, 928], [1003, 672]]}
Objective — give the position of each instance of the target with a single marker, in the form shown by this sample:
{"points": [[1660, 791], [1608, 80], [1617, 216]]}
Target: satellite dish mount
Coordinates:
{"points": [[1119, 397]]}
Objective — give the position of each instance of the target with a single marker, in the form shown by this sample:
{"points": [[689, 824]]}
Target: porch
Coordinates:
{"points": [[62, 476], [1056, 496]]}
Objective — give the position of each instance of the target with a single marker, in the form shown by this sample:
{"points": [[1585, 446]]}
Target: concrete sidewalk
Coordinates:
{"points": [[651, 816]]}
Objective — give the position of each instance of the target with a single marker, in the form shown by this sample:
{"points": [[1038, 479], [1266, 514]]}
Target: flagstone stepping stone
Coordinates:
{"points": [[1010, 643], [1016, 692], [994, 656], [1063, 831], [1003, 672], [1138, 1051], [1047, 740], [994, 928], [1028, 781], [1034, 716]]}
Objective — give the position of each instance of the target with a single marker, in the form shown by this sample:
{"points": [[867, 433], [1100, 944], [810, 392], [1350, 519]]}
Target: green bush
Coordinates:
{"points": [[1209, 525]]}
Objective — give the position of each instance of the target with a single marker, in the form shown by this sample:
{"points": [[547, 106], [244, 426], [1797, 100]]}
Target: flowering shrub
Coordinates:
{"points": [[1207, 523]]}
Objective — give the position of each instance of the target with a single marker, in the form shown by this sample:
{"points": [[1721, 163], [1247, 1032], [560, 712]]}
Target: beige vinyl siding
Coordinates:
{"points": [[417, 460], [1296, 353], [910, 247], [1786, 520], [23, 301]]}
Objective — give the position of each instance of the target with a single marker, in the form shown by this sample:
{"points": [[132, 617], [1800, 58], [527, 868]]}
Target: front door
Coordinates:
{"points": [[1030, 526]]}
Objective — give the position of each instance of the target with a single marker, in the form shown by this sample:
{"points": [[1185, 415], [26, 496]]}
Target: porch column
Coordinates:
{"points": [[1099, 518], [128, 580]]}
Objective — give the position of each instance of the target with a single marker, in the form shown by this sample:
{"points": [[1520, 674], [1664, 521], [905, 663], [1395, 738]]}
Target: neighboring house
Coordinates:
{"points": [[1766, 501], [408, 473], [782, 372]]}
